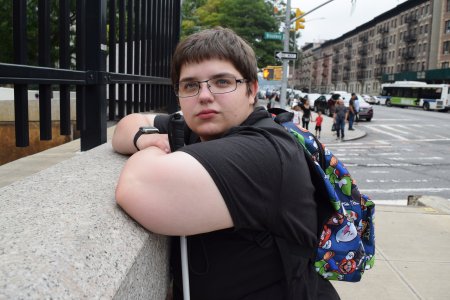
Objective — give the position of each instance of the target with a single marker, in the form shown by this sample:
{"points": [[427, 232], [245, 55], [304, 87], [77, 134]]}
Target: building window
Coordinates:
{"points": [[446, 47], [425, 29], [447, 26], [445, 65], [448, 5]]}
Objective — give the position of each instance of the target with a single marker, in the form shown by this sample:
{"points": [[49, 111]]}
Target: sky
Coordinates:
{"points": [[338, 17]]}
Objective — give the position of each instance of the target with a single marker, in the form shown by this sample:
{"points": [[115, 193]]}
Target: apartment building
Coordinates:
{"points": [[412, 38]]}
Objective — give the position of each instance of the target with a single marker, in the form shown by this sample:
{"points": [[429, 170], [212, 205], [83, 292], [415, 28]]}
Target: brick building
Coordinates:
{"points": [[405, 42]]}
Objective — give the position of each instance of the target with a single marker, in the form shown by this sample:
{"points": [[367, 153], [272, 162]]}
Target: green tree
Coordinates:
{"points": [[249, 19], [6, 31]]}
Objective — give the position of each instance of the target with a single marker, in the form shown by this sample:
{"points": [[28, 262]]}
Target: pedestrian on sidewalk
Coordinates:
{"points": [[234, 238], [319, 120], [339, 118], [296, 110], [351, 111], [306, 117], [356, 105]]}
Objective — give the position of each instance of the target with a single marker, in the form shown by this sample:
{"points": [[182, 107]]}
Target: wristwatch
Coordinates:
{"points": [[144, 130]]}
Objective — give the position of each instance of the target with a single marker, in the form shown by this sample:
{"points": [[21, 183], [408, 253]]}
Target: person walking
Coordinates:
{"points": [[339, 118], [356, 105], [351, 111], [222, 189], [296, 110], [306, 117], [319, 120]]}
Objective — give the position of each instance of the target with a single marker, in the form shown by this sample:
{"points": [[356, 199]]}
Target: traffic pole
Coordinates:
{"points": [[284, 80], [287, 27]]}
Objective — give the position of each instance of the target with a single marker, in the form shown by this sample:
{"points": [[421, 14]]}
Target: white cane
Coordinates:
{"points": [[176, 140], [184, 268]]}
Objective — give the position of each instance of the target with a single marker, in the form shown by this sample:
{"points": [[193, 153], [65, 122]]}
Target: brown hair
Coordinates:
{"points": [[217, 43]]}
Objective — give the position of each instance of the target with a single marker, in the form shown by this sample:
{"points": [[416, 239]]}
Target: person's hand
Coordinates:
{"points": [[160, 141]]}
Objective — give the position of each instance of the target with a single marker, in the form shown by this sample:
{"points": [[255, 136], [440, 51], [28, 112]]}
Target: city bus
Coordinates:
{"points": [[416, 94]]}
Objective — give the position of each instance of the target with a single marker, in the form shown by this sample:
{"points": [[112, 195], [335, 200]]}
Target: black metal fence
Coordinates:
{"points": [[121, 63]]}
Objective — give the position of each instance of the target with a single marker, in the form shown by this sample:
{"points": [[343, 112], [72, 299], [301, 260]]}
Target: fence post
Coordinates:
{"points": [[95, 132]]}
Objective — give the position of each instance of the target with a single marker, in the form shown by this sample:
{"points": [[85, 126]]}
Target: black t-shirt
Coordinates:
{"points": [[265, 181]]}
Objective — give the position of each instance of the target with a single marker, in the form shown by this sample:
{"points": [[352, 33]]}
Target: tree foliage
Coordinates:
{"points": [[32, 33], [249, 19]]}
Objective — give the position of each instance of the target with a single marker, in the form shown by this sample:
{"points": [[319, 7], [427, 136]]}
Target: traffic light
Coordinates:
{"points": [[299, 22], [268, 73]]}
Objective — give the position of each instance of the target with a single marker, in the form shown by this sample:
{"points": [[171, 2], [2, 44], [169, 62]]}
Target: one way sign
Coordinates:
{"points": [[286, 55]]}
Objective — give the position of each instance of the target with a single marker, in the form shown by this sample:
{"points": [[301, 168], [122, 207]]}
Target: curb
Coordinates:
{"points": [[435, 202]]}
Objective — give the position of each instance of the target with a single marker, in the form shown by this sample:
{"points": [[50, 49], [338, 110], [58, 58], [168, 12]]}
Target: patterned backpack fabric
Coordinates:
{"points": [[347, 243]]}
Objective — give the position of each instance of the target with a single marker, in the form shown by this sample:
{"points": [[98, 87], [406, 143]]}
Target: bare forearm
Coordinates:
{"points": [[122, 140]]}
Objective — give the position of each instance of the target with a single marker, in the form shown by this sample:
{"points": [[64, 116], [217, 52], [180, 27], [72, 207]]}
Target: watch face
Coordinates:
{"points": [[149, 130]]}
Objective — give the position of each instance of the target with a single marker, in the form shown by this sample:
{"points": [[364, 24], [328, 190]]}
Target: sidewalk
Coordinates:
{"points": [[413, 242]]}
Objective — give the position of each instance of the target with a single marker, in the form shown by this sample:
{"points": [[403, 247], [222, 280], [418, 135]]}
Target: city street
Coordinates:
{"points": [[405, 152]]}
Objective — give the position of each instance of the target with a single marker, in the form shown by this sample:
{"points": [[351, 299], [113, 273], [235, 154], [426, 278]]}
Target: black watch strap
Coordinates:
{"points": [[136, 137], [141, 131]]}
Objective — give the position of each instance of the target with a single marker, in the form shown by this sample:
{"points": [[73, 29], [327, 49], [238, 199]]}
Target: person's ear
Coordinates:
{"points": [[254, 88]]}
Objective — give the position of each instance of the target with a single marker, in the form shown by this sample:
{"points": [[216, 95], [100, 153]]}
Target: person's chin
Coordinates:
{"points": [[208, 132]]}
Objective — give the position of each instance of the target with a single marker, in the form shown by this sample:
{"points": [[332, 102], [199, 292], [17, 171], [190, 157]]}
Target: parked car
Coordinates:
{"points": [[312, 97], [365, 110], [322, 104], [379, 100]]}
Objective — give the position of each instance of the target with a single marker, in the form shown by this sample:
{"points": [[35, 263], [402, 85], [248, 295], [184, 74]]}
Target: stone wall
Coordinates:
{"points": [[63, 236]]}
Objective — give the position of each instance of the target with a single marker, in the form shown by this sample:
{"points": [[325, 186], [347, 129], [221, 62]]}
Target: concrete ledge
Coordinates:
{"points": [[63, 236], [435, 202]]}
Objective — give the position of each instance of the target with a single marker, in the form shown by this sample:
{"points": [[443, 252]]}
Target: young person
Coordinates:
{"points": [[306, 117], [296, 110], [234, 189], [339, 117], [319, 120], [351, 111]]}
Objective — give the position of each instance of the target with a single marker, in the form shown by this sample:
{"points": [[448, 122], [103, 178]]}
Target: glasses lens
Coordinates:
{"points": [[187, 88], [222, 85]]}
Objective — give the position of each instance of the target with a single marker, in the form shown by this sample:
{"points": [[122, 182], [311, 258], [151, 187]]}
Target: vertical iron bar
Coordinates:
{"points": [[121, 57], [112, 58], [95, 133], [81, 62], [154, 13], [148, 55], [45, 108], [20, 57], [137, 48], [64, 63], [158, 46], [164, 52], [143, 50], [129, 55], [174, 38]]}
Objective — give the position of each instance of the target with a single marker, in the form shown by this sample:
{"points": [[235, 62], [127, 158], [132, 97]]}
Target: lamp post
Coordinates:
{"points": [[287, 26]]}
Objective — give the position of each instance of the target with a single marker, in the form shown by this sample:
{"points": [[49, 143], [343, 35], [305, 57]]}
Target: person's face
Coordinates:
{"points": [[210, 115]]}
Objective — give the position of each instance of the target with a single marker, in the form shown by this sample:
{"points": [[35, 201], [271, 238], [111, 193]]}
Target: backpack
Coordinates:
{"points": [[347, 243]]}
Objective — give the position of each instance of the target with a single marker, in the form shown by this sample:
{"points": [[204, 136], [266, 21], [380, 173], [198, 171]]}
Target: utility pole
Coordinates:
{"points": [[287, 27]]}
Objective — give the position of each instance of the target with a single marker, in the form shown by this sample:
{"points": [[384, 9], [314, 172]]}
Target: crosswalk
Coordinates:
{"points": [[399, 160], [410, 132]]}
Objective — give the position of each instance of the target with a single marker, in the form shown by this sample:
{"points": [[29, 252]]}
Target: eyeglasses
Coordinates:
{"points": [[220, 85]]}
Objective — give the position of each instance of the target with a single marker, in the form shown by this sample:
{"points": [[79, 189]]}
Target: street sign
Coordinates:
{"points": [[273, 36], [286, 55]]}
